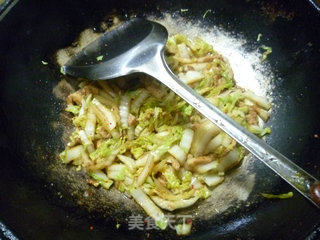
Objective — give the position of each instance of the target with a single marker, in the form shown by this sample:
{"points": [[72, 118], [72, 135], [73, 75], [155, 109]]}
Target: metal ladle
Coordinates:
{"points": [[137, 46]]}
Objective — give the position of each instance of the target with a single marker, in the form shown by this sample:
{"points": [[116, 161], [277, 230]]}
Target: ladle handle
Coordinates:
{"points": [[302, 181], [315, 193]]}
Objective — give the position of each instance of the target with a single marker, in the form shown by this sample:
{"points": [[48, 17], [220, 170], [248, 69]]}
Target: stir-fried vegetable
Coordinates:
{"points": [[280, 196], [267, 51], [146, 141], [183, 229]]}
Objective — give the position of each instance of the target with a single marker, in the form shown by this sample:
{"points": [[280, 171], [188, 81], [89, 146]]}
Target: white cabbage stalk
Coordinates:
{"points": [[186, 140], [169, 97], [86, 159], [138, 130], [111, 100], [164, 193], [124, 110], [115, 133], [204, 132], [263, 114], [107, 89], [99, 175], [159, 152], [128, 181], [84, 105], [127, 161], [214, 143], [117, 172], [261, 101], [151, 209], [102, 178], [194, 161], [136, 103], [78, 161], [105, 116], [110, 159], [161, 165], [145, 132], [146, 171], [72, 154], [174, 162], [196, 183], [190, 76], [183, 229], [86, 141], [90, 127], [162, 134], [183, 50], [116, 167], [203, 168], [226, 140], [198, 66], [212, 179], [248, 102], [235, 112], [102, 98], [114, 175], [205, 59], [173, 205], [130, 133], [140, 162], [103, 163], [178, 153], [229, 161]]}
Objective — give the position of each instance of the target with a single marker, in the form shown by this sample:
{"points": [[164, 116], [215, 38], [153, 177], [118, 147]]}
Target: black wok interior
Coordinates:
{"points": [[32, 207]]}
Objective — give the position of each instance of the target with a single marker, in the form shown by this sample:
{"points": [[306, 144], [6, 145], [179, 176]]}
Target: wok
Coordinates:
{"points": [[42, 199]]}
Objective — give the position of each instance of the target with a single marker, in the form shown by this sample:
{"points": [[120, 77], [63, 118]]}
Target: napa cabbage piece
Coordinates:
{"points": [[154, 142], [172, 42], [201, 47], [127, 161], [213, 179], [105, 115], [152, 210], [80, 121], [203, 192], [186, 140], [183, 229], [137, 152], [124, 110], [232, 159], [71, 154], [186, 110], [172, 180], [173, 205], [91, 122], [178, 153], [228, 102], [259, 131], [146, 170], [267, 51], [101, 179], [118, 172], [280, 196], [108, 147], [203, 133], [73, 109], [139, 98]]}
